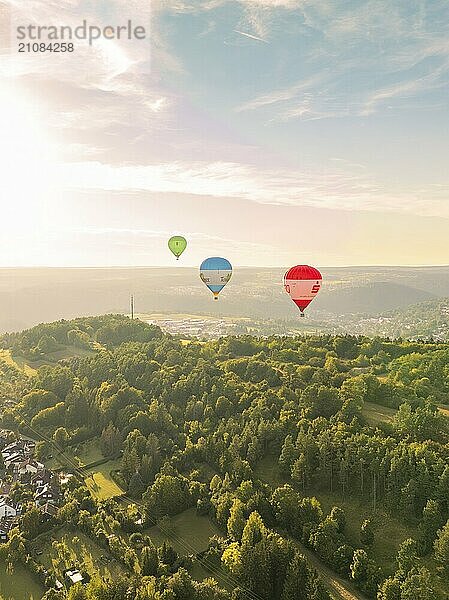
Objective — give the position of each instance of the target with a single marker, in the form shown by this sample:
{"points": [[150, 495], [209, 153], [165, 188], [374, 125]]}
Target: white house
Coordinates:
{"points": [[29, 466], [13, 459], [8, 508]]}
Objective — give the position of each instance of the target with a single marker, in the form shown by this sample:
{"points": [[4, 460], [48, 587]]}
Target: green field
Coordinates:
{"points": [[268, 471], [376, 414], [389, 532], [18, 362], [82, 455], [79, 551], [19, 585], [187, 532], [85, 453], [29, 367], [100, 482]]}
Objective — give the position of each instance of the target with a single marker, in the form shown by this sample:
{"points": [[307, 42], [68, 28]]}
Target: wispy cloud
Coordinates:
{"points": [[332, 188], [355, 59]]}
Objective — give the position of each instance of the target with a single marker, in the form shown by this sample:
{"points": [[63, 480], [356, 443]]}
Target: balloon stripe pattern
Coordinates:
{"points": [[302, 283], [215, 272]]}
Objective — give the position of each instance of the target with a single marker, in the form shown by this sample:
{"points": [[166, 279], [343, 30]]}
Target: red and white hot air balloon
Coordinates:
{"points": [[302, 283]]}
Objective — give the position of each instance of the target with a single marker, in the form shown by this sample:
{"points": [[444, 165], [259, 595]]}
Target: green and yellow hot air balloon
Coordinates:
{"points": [[177, 245]]}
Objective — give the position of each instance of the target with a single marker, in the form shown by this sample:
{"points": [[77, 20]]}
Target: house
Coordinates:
{"points": [[47, 493], [48, 511], [65, 478], [8, 508], [29, 465], [12, 460], [73, 576], [5, 527], [41, 478], [13, 448], [21, 446]]}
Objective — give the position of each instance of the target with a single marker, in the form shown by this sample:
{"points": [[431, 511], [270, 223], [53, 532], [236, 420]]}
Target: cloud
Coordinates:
{"points": [[331, 188], [357, 57]]}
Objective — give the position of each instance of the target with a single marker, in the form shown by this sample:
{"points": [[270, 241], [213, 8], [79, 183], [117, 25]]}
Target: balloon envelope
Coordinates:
{"points": [[215, 272], [302, 283], [177, 245]]}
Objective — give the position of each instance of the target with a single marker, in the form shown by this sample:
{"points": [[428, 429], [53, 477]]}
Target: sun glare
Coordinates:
{"points": [[26, 153]]}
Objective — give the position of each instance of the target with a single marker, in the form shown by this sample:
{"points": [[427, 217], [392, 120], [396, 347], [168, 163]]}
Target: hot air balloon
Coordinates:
{"points": [[177, 245], [215, 273], [302, 283]]}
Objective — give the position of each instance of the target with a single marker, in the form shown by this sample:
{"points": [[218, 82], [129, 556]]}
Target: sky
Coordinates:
{"points": [[271, 132]]}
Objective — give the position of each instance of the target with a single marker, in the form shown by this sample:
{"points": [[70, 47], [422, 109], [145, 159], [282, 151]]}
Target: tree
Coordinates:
{"points": [[407, 556], [390, 589], [367, 533], [432, 520], [182, 585], [167, 496], [442, 548], [77, 592], [299, 471], [167, 554], [342, 559], [338, 515], [111, 441], [288, 456], [61, 437], [136, 487], [149, 561], [297, 584], [418, 586], [31, 523], [237, 520], [364, 573]]}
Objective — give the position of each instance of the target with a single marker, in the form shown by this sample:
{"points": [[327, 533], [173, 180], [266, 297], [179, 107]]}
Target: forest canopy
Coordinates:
{"points": [[192, 424]]}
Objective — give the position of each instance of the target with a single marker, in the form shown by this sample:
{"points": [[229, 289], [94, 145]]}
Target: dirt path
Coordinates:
{"points": [[337, 586]]}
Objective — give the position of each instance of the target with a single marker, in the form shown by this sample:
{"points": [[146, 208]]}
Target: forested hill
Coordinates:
{"points": [[296, 454]]}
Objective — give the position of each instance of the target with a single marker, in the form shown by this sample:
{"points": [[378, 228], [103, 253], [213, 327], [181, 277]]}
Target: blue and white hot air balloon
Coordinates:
{"points": [[215, 272]]}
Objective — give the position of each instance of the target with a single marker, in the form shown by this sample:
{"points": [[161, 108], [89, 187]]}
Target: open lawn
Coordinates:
{"points": [[187, 532], [389, 532], [85, 453], [19, 584], [30, 367], [268, 471], [82, 455], [100, 483], [17, 361], [80, 551], [376, 414]]}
